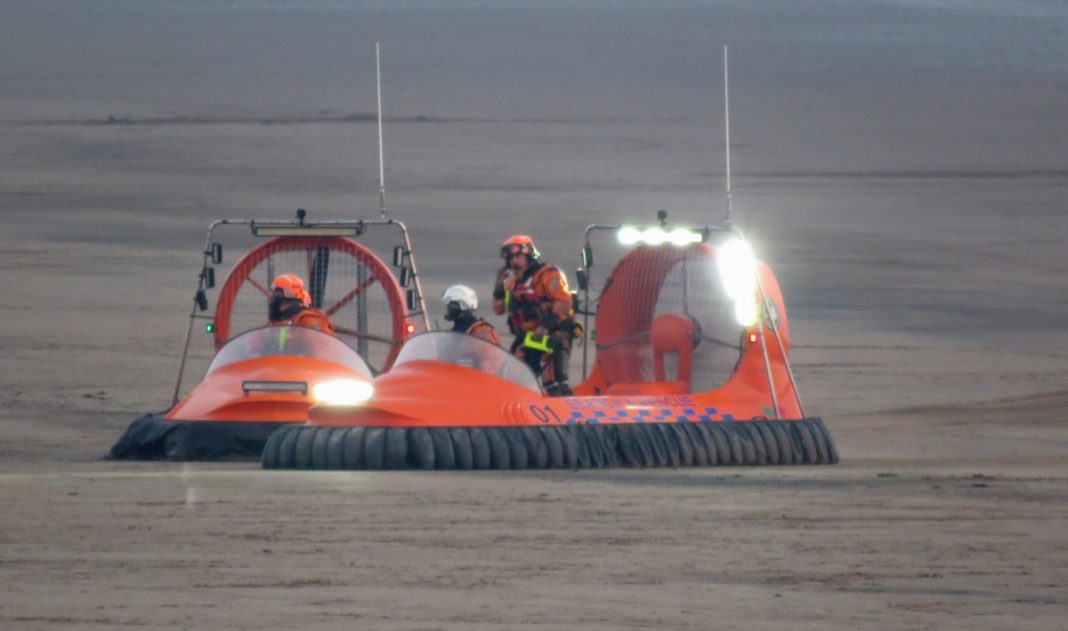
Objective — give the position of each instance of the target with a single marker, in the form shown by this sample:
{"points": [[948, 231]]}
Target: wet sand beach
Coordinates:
{"points": [[901, 165]]}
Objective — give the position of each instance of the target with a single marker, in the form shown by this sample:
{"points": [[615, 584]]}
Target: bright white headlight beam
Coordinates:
{"points": [[682, 236], [737, 272], [654, 236], [629, 235], [342, 392]]}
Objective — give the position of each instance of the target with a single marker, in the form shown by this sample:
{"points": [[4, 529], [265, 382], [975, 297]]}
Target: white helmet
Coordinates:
{"points": [[462, 294]]}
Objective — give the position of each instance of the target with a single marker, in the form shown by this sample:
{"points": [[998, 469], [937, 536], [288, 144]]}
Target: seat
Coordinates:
{"points": [[674, 333]]}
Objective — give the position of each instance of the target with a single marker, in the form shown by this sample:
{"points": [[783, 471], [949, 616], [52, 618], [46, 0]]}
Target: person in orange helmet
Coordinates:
{"points": [[535, 297], [290, 303]]}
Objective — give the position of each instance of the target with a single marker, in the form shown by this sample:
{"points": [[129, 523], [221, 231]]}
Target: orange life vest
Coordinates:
{"points": [[311, 318], [484, 331], [540, 298]]}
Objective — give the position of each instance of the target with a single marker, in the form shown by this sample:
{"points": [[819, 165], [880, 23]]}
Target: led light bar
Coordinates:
{"points": [[629, 235], [305, 231], [275, 386]]}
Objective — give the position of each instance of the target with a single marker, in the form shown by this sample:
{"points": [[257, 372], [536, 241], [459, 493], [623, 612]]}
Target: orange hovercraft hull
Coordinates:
{"points": [[435, 416], [264, 377], [435, 413], [233, 411]]}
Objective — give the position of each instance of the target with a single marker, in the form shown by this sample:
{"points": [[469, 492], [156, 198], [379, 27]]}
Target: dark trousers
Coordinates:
{"points": [[553, 371]]}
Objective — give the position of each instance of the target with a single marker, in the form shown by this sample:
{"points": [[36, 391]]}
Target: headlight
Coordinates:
{"points": [[654, 236], [342, 392], [629, 235], [737, 272], [682, 236]]}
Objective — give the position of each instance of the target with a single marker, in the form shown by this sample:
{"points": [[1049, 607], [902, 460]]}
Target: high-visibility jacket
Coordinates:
{"points": [[538, 298], [311, 318], [484, 331]]}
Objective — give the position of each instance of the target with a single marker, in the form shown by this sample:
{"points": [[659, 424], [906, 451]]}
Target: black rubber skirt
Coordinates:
{"points": [[152, 437], [697, 444]]}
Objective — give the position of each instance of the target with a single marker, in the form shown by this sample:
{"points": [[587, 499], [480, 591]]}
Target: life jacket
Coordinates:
{"points": [[311, 318], [484, 331], [476, 327], [540, 298]]}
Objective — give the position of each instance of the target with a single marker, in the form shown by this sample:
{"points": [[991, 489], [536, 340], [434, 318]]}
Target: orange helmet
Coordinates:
{"points": [[519, 244], [291, 286]]}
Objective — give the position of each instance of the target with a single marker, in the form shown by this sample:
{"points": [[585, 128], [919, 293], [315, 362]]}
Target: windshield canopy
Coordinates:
{"points": [[289, 341], [464, 350]]}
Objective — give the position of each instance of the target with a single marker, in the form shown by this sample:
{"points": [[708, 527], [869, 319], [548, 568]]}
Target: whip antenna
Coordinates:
{"points": [[727, 132], [381, 158]]}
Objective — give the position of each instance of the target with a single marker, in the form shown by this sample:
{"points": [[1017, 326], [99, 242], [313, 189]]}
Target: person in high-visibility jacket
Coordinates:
{"points": [[290, 303], [535, 297]]}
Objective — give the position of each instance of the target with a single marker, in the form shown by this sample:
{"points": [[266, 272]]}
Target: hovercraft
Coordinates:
{"points": [[691, 368], [260, 378]]}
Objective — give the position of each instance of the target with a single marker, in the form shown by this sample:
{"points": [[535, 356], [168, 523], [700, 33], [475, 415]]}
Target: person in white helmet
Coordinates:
{"points": [[460, 304]]}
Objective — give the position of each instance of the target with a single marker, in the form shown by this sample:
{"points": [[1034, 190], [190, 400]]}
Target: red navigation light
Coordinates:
{"points": [[409, 328]]}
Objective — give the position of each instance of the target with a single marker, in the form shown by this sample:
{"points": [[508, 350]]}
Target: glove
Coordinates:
{"points": [[503, 273], [498, 287]]}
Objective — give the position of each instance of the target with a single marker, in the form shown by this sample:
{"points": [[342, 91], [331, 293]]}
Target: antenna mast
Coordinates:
{"points": [[381, 158], [727, 132]]}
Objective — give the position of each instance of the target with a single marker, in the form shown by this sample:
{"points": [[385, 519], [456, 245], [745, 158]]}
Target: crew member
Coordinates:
{"points": [[535, 297], [291, 304], [460, 304]]}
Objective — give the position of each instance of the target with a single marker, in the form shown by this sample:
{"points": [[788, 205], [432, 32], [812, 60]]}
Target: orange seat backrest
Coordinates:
{"points": [[673, 333]]}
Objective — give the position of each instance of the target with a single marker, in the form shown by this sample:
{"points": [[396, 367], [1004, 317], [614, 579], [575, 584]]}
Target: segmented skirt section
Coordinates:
{"points": [[153, 437], [695, 444]]}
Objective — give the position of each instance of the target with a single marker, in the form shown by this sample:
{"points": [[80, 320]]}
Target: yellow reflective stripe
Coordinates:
{"points": [[538, 344], [282, 332]]}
